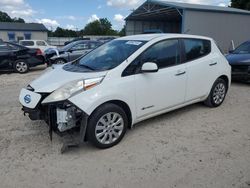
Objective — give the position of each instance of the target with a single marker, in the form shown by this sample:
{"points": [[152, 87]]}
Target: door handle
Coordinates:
{"points": [[179, 73], [212, 64]]}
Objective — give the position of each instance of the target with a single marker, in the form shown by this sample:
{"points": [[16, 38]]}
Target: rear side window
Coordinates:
{"points": [[164, 54], [40, 43], [196, 48], [81, 46], [27, 43]]}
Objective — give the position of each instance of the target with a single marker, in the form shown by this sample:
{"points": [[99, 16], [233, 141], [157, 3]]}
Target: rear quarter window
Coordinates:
{"points": [[40, 43], [27, 43], [196, 48]]}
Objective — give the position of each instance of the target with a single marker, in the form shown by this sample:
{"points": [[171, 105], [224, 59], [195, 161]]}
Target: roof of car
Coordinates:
{"points": [[148, 37]]}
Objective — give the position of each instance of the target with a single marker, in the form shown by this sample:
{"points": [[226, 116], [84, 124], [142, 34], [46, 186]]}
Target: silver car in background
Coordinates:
{"points": [[70, 52]]}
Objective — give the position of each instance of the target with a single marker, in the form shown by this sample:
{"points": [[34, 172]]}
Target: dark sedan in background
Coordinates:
{"points": [[18, 57], [239, 59], [71, 51]]}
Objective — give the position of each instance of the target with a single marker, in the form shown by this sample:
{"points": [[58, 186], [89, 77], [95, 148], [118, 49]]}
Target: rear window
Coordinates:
{"points": [[27, 43], [196, 48]]}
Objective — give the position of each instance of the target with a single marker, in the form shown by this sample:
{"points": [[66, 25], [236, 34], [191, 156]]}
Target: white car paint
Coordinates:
{"points": [[29, 99], [41, 44], [53, 79], [146, 94]]}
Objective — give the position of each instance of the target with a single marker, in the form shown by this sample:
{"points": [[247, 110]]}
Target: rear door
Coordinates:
{"points": [[164, 89], [200, 67]]}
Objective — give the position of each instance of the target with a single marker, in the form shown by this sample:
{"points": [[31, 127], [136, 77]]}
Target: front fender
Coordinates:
{"points": [[89, 100]]}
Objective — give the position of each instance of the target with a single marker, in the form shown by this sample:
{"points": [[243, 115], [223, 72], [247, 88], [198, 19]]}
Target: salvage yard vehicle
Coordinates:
{"points": [[125, 81], [18, 57], [40, 44], [71, 51], [239, 59]]}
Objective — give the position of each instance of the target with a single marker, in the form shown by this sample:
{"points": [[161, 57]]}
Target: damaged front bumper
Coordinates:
{"points": [[62, 118]]}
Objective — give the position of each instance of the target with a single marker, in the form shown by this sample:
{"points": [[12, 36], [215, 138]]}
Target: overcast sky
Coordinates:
{"points": [[75, 14]]}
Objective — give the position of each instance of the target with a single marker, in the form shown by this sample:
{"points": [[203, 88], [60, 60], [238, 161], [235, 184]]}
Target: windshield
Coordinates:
{"points": [[109, 55], [243, 49]]}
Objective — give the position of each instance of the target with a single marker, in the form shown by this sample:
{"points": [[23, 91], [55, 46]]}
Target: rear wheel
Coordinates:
{"points": [[107, 126], [217, 94], [21, 66]]}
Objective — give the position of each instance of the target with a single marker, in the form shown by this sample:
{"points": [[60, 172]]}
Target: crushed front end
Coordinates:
{"points": [[62, 117]]}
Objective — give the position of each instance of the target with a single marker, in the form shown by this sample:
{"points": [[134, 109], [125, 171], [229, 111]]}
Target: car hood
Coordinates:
{"points": [[238, 59], [56, 77]]}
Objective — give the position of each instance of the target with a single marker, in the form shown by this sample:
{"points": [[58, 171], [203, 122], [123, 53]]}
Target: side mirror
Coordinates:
{"points": [[149, 67]]}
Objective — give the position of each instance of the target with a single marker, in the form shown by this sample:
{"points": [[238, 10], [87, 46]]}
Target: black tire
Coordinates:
{"points": [[214, 100], [94, 121], [21, 66], [60, 61]]}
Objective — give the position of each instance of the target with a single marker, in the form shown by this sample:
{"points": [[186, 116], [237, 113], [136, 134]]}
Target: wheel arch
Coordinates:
{"points": [[226, 79], [122, 105]]}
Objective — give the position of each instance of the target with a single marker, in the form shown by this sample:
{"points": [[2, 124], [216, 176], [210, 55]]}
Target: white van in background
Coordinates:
{"points": [[41, 44]]}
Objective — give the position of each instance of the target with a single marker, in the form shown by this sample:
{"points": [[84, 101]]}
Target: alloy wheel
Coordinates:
{"points": [[109, 128], [219, 93], [21, 66]]}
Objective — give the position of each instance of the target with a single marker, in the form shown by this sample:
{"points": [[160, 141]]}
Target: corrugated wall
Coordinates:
{"points": [[223, 27]]}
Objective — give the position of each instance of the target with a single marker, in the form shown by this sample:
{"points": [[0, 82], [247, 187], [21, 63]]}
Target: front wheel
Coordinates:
{"points": [[107, 126], [217, 94]]}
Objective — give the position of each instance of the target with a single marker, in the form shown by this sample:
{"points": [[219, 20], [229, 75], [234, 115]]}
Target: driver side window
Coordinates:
{"points": [[164, 54]]}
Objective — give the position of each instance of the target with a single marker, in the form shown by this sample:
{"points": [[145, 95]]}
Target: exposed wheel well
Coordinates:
{"points": [[124, 106], [225, 78]]}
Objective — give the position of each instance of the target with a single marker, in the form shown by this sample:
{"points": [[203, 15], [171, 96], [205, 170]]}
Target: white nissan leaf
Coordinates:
{"points": [[125, 81]]}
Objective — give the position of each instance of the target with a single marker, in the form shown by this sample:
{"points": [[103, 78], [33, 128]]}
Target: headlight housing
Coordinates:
{"points": [[72, 88]]}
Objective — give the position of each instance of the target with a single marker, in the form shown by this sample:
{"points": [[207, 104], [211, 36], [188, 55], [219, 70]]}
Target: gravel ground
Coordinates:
{"points": [[189, 148]]}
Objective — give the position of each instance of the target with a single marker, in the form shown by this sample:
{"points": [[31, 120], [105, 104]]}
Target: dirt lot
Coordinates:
{"points": [[192, 147]]}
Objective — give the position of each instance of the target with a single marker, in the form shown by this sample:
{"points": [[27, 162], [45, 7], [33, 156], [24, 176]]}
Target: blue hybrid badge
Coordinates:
{"points": [[27, 99]]}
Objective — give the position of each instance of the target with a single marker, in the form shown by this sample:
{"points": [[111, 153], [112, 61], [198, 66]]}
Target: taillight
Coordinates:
{"points": [[39, 52]]}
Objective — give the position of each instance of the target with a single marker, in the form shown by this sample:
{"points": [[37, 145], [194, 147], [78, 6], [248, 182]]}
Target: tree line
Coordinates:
{"points": [[98, 27], [4, 17]]}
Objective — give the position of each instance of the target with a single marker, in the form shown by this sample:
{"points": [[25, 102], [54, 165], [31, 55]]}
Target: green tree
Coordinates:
{"points": [[241, 4], [92, 28], [60, 32], [4, 17], [122, 32], [19, 20], [99, 27]]}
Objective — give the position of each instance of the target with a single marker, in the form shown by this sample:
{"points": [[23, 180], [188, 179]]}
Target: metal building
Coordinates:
{"points": [[10, 31], [224, 24]]}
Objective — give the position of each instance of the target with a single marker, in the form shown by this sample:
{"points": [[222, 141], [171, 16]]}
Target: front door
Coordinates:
{"points": [[4, 56], [156, 92]]}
